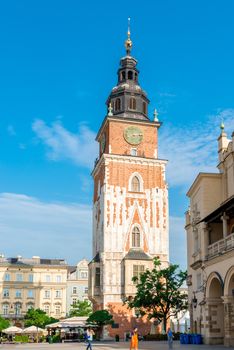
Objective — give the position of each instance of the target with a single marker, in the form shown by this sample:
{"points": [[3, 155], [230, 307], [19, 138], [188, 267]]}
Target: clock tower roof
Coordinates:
{"points": [[127, 99]]}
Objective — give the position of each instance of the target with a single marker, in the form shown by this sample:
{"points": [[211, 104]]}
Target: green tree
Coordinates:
{"points": [[4, 323], [158, 293], [81, 308], [100, 318], [38, 318]]}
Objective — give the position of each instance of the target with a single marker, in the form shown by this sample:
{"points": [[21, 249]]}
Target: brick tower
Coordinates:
{"points": [[130, 203]]}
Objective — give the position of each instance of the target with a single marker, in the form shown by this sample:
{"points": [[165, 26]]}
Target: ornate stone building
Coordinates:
{"points": [[32, 283], [130, 203], [210, 246], [77, 283]]}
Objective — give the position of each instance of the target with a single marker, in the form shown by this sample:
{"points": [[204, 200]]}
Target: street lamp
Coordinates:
{"points": [[194, 300]]}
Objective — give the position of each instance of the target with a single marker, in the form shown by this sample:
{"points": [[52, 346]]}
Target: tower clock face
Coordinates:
{"points": [[103, 143], [133, 135]]}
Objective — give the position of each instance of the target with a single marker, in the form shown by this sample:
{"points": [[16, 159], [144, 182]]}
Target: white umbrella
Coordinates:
{"points": [[33, 330], [12, 330]]}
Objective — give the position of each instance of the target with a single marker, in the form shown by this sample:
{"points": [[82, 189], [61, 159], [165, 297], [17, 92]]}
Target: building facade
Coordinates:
{"points": [[210, 246], [32, 283], [130, 203], [77, 283]]}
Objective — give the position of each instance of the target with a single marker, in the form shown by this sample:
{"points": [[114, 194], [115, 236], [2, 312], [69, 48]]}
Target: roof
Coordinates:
{"points": [[137, 254], [227, 207], [197, 180]]}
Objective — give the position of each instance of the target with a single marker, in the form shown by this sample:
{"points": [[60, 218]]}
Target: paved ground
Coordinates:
{"points": [[150, 345]]}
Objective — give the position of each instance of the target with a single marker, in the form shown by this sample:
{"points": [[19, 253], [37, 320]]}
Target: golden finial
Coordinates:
{"points": [[222, 125], [128, 42]]}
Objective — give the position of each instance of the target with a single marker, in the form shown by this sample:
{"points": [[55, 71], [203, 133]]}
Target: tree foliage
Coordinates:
{"points": [[4, 323], [158, 292], [81, 308], [100, 318], [38, 318]]}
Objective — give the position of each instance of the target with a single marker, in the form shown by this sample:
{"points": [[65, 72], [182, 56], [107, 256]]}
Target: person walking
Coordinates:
{"points": [[134, 339], [89, 336], [170, 338]]}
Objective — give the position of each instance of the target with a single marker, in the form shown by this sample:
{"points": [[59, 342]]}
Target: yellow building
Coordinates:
{"points": [[210, 244], [32, 283]]}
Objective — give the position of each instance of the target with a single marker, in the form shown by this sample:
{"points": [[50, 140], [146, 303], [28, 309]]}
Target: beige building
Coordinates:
{"points": [[210, 242], [77, 283], [35, 282]]}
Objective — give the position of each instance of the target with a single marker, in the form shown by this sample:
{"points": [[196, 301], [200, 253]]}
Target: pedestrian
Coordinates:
{"points": [[89, 336], [170, 338], [134, 339]]}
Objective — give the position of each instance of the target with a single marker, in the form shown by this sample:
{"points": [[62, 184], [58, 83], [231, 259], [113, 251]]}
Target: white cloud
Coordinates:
{"points": [[30, 227], [191, 149], [80, 148], [178, 249]]}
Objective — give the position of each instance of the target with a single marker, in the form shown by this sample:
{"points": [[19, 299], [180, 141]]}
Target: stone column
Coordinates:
{"points": [[206, 240], [228, 320], [224, 218], [215, 318]]}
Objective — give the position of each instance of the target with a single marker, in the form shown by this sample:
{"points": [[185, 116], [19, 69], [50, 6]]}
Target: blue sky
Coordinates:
{"points": [[58, 64]]}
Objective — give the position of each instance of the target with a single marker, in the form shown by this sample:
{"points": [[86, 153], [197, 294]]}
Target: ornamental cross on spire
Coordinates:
{"points": [[155, 115], [128, 42]]}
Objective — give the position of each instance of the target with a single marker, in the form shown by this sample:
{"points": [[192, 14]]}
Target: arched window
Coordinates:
{"points": [[117, 104], [144, 107], [136, 76], [132, 103], [135, 184], [136, 237], [123, 75], [232, 229], [130, 75]]}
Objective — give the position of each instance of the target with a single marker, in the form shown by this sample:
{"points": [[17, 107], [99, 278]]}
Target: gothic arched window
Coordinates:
{"points": [[136, 237], [135, 184], [132, 103], [117, 104], [130, 75]]}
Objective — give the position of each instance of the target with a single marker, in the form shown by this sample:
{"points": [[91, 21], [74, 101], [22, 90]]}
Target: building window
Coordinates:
{"points": [[132, 103], [18, 293], [117, 104], [29, 306], [123, 75], [58, 278], [17, 308], [84, 274], [74, 300], [5, 309], [57, 309], [137, 271], [97, 277], [6, 293], [47, 293], [7, 277], [47, 309], [74, 290], [30, 293], [19, 277], [86, 290], [30, 277], [144, 107], [47, 278], [58, 294], [196, 241], [199, 281], [130, 75], [133, 152], [136, 237], [135, 186]]}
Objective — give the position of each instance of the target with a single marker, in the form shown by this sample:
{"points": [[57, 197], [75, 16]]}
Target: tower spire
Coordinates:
{"points": [[128, 42]]}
